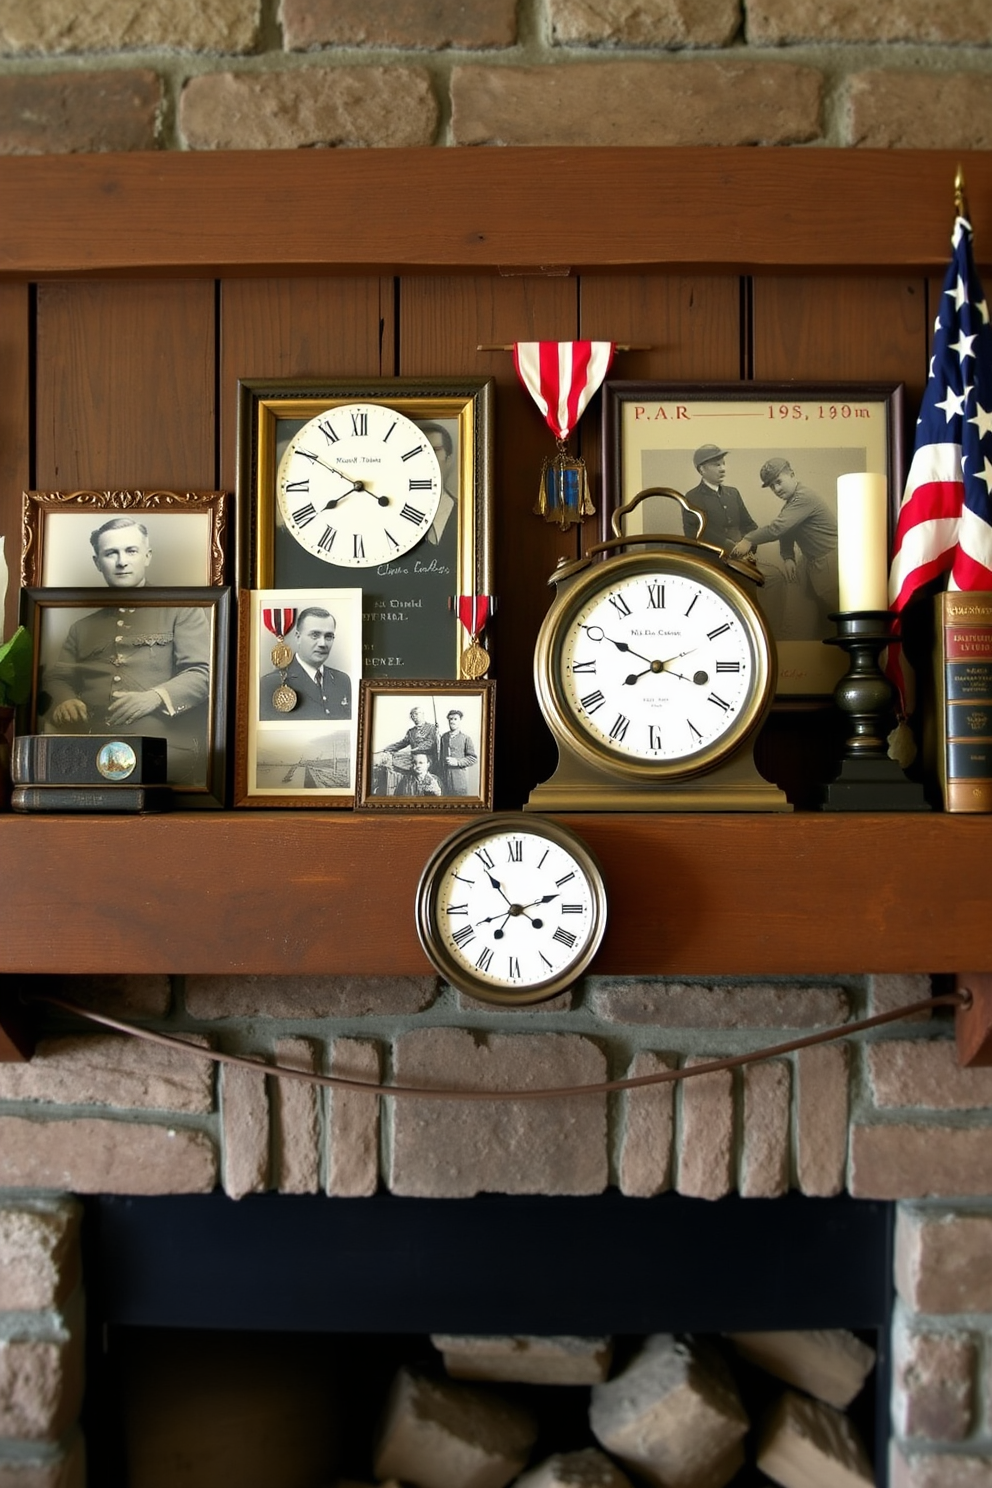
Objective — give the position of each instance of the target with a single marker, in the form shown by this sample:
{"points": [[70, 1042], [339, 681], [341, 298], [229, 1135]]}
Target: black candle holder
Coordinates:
{"points": [[869, 780]]}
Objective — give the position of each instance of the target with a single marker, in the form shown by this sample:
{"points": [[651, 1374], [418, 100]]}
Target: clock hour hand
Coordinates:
{"points": [[497, 886]]}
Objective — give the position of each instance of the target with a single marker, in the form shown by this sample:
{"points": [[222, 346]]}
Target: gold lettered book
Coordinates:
{"points": [[961, 723]]}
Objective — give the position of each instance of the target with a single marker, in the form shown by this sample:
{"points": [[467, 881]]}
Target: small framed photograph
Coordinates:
{"points": [[299, 665], [380, 482], [123, 539], [156, 665], [761, 461], [426, 745]]}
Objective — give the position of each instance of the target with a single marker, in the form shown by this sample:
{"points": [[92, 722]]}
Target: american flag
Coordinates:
{"points": [[945, 520]]}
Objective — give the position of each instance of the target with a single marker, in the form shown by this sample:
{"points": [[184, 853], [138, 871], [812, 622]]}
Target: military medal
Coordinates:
{"points": [[473, 611], [285, 698], [561, 377]]}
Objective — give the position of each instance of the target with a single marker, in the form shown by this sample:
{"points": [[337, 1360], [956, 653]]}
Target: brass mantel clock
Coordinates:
{"points": [[654, 670]]}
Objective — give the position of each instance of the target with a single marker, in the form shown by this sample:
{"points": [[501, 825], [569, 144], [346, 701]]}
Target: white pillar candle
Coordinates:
{"points": [[863, 542]]}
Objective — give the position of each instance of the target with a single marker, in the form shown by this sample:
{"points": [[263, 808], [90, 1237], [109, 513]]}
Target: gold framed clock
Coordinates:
{"points": [[511, 909], [654, 669]]}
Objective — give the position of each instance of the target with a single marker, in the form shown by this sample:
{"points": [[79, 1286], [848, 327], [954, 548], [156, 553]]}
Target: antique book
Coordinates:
{"points": [[88, 759], [962, 703], [96, 798]]}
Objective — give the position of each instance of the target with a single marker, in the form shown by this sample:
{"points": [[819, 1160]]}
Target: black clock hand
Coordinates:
{"points": [[497, 886], [620, 645]]}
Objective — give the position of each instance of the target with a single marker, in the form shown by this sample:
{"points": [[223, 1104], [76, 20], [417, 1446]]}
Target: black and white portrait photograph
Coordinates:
{"points": [[763, 472], [300, 669], [123, 539], [154, 664], [426, 744]]}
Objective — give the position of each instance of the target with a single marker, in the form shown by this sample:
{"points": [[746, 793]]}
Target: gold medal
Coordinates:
{"points": [[475, 661], [284, 699], [282, 655]]}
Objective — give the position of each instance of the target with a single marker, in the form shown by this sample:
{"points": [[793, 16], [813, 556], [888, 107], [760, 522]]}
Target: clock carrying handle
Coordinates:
{"points": [[744, 566]]}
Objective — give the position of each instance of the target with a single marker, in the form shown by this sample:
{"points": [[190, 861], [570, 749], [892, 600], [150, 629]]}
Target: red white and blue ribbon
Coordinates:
{"points": [[279, 621], [561, 377]]}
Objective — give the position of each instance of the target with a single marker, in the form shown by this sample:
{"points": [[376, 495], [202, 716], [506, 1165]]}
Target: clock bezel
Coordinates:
{"points": [[475, 833], [576, 592]]}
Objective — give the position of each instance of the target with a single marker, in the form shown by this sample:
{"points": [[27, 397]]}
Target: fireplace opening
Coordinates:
{"points": [[282, 1323]]}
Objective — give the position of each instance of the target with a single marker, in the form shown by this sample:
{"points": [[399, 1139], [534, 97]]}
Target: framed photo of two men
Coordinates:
{"points": [[382, 484], [761, 461]]}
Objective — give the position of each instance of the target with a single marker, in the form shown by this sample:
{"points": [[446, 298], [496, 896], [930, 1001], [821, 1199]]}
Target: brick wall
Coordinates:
{"points": [[256, 74], [891, 1115]]}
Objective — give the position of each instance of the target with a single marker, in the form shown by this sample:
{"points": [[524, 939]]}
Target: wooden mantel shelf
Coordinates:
{"points": [[323, 892]]}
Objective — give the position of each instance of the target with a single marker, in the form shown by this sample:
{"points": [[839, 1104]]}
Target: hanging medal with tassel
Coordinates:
{"points": [[561, 377], [474, 610], [277, 622]]}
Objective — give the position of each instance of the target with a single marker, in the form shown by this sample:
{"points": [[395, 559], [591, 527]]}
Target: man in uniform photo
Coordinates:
{"points": [[322, 691]]}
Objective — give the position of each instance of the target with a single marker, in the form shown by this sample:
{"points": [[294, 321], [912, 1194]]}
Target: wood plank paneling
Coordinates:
{"points": [[14, 432], [125, 384], [442, 322], [279, 211], [278, 328]]}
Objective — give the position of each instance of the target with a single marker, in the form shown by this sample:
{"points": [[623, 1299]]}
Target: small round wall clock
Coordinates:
{"points": [[511, 909], [653, 671], [359, 485]]}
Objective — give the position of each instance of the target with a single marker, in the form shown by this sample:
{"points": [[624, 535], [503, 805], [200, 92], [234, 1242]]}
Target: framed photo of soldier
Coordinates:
{"points": [[760, 461], [383, 483], [123, 539], [156, 665], [299, 667], [426, 746]]}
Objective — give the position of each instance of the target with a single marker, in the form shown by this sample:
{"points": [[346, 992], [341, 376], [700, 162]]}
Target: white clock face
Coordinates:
{"points": [[359, 485], [514, 909], [657, 667]]}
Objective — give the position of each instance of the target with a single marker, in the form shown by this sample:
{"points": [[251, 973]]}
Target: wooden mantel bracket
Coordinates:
{"points": [[17, 1036], [974, 1021]]}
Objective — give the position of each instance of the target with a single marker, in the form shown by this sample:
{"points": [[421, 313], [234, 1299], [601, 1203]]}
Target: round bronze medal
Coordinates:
{"points": [[475, 661], [284, 699], [282, 655]]}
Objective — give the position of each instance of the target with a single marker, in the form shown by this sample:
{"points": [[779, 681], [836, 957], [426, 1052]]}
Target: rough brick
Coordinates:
{"points": [[694, 1005], [90, 1155], [307, 997], [805, 1441], [429, 24], [453, 1149], [916, 1162], [765, 1146], [245, 1124], [648, 23], [443, 1435], [526, 1360], [111, 1070], [934, 1383], [943, 1262], [926, 1073], [296, 1120], [563, 1003], [56, 27], [643, 103], [39, 1255], [830, 1363], [353, 1121], [587, 1468], [821, 1119], [75, 112], [937, 1470], [888, 991], [392, 106], [119, 996], [649, 1127], [673, 1415], [707, 1137], [905, 110], [778, 22], [39, 1467], [41, 1386]]}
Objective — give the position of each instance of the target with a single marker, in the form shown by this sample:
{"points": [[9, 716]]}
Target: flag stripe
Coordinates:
{"points": [[561, 377]]}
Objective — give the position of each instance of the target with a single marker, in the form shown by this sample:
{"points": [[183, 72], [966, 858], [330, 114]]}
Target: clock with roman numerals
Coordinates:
{"points": [[359, 485], [511, 909], [654, 669]]}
